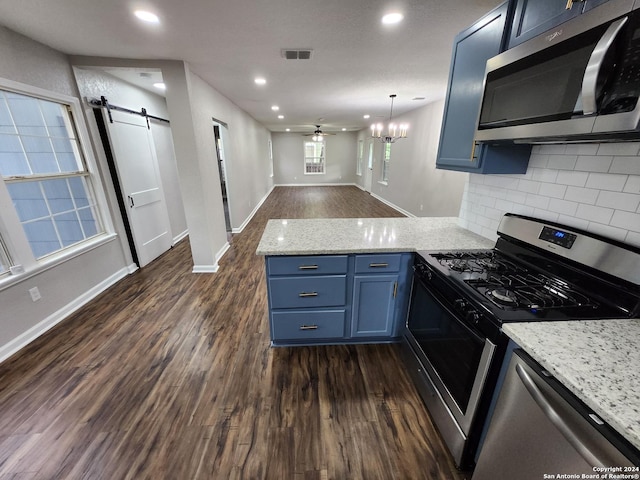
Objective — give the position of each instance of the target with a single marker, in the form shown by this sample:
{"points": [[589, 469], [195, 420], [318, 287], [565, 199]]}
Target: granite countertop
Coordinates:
{"points": [[598, 360], [356, 235]]}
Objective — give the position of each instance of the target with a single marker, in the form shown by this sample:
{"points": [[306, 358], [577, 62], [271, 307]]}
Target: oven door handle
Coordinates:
{"points": [[437, 297]]}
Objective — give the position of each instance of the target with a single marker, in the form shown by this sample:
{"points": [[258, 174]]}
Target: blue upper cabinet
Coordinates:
{"points": [[457, 149], [533, 17]]}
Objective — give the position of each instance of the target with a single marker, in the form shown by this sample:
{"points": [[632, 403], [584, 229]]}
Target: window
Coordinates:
{"points": [[386, 157], [314, 158], [360, 155], [5, 264], [45, 174]]}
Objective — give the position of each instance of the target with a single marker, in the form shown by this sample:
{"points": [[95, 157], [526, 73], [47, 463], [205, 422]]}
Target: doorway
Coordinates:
{"points": [[222, 169], [368, 172]]}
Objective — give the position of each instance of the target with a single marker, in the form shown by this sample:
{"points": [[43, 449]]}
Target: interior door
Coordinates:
{"points": [[368, 172], [137, 166]]}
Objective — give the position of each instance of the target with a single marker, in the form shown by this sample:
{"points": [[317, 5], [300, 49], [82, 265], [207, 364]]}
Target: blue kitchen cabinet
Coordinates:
{"points": [[380, 295], [458, 149], [337, 299], [533, 17]]}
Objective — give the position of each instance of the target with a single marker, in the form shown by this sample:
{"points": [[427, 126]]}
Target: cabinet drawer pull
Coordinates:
{"points": [[308, 327], [308, 294], [378, 265], [308, 267]]}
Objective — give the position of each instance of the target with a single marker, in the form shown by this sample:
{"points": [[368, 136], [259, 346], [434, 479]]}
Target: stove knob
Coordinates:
{"points": [[460, 304], [473, 317]]}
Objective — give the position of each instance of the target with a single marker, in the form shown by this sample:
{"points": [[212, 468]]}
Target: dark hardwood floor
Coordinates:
{"points": [[169, 375]]}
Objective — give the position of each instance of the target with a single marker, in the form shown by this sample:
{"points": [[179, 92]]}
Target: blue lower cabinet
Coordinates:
{"points": [[331, 299], [374, 298], [308, 326]]}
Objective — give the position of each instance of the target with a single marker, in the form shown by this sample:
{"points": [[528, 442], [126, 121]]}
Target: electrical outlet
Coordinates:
{"points": [[420, 207], [35, 294]]}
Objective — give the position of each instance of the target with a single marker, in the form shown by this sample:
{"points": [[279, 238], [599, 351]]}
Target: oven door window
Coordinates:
{"points": [[451, 347]]}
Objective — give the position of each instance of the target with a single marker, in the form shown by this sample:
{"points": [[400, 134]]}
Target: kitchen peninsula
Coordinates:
{"points": [[348, 280]]}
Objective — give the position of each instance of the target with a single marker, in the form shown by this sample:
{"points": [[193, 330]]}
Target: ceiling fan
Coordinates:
{"points": [[317, 134]]}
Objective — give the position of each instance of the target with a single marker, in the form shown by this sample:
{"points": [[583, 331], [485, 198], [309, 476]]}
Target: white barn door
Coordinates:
{"points": [[135, 158]]}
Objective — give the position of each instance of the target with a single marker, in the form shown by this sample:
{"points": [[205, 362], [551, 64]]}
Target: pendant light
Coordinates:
{"points": [[393, 131]]}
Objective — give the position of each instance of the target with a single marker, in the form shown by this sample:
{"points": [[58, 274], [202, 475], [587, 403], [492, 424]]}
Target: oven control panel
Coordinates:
{"points": [[557, 237]]}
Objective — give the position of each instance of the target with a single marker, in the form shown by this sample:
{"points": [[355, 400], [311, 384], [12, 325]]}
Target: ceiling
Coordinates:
{"points": [[355, 65]]}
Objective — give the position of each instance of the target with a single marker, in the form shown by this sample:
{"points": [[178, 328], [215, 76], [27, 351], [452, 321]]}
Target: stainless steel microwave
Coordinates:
{"points": [[578, 82]]}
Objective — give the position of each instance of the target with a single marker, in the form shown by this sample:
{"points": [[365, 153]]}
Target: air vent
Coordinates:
{"points": [[296, 53]]}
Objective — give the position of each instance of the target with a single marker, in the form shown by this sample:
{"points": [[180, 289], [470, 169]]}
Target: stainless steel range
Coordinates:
{"points": [[537, 271]]}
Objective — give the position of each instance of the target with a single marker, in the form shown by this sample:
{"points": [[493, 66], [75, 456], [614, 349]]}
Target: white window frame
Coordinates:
{"points": [[14, 238], [322, 158], [386, 161], [360, 157]]}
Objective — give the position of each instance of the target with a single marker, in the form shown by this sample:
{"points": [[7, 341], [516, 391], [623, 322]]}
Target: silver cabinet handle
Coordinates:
{"points": [[308, 294], [590, 79], [308, 267], [378, 265], [308, 327], [555, 418]]}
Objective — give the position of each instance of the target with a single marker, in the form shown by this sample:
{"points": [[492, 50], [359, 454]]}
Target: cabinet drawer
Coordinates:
{"points": [[307, 265], [378, 263], [314, 291], [308, 325]]}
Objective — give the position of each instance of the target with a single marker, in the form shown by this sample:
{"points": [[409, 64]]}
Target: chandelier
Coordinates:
{"points": [[393, 131]]}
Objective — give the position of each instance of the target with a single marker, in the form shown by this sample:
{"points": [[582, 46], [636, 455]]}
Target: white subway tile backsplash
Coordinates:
{"points": [[593, 187], [528, 186], [594, 163], [552, 190], [582, 149], [606, 181], [607, 231], [563, 206], [626, 220], [571, 221], [578, 179], [622, 201], [632, 185], [582, 195], [537, 201], [544, 175], [633, 238], [562, 162], [625, 148], [630, 165], [594, 214], [538, 160]]}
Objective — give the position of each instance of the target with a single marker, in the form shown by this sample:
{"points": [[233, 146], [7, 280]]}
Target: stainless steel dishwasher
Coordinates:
{"points": [[541, 430]]}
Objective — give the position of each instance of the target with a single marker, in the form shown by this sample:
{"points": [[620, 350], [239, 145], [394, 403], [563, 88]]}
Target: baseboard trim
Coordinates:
{"points": [[22, 340], [205, 268], [395, 207], [348, 184], [180, 237], [252, 214]]}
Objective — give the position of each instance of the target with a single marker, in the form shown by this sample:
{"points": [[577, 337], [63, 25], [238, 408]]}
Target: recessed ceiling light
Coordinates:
{"points": [[391, 18], [275, 108], [288, 129], [366, 116], [160, 85], [344, 129], [260, 81], [280, 117], [146, 16]]}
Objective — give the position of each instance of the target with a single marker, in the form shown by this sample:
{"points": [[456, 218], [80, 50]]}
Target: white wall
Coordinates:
{"points": [[65, 286], [288, 159], [414, 184], [594, 187], [246, 149]]}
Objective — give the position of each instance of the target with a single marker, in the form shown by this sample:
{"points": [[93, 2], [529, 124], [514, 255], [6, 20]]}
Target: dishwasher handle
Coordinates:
{"points": [[556, 419]]}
